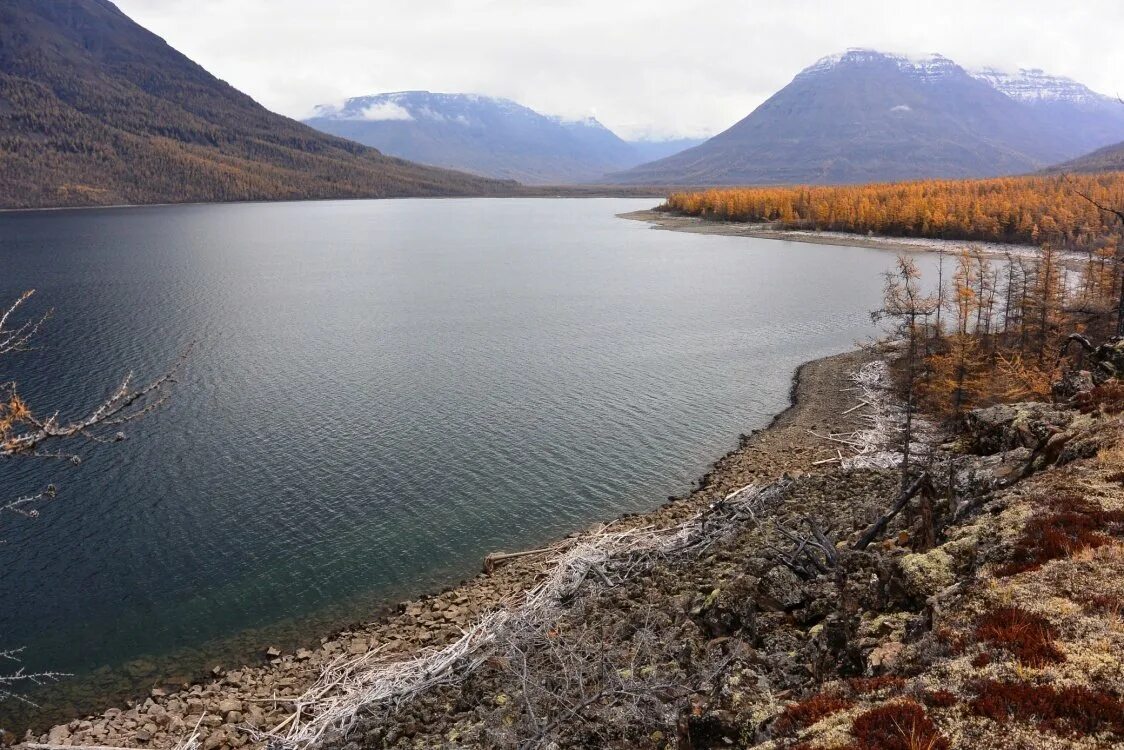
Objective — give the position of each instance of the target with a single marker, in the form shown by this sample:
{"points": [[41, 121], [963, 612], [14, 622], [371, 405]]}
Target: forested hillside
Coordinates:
{"points": [[1032, 210], [96, 110], [1109, 158]]}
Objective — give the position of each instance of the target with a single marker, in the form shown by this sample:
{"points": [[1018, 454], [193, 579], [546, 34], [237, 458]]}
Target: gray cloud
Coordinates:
{"points": [[643, 68]]}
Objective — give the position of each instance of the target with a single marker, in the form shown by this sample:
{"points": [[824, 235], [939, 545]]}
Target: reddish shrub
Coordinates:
{"points": [[901, 725], [865, 685], [979, 661], [808, 712], [1068, 710], [939, 698], [1075, 525], [1027, 636], [1107, 398], [1102, 603]]}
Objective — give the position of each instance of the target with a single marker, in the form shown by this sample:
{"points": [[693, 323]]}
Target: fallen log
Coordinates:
{"points": [[495, 560], [880, 524]]}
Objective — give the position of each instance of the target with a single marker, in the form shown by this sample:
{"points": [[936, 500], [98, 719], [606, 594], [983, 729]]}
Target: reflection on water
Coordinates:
{"points": [[381, 393]]}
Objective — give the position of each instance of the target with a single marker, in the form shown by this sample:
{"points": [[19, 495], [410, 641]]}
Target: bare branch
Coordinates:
{"points": [[1111, 211], [24, 506], [20, 676], [16, 339], [126, 404]]}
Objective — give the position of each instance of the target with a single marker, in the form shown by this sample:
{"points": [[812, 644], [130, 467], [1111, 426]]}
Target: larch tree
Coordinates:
{"points": [[907, 308]]}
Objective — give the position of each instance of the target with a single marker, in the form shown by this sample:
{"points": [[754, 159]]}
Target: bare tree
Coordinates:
{"points": [[1119, 214], [908, 310], [26, 432]]}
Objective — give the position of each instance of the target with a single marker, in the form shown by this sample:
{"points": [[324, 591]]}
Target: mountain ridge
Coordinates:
{"points": [[867, 116], [486, 135], [97, 110]]}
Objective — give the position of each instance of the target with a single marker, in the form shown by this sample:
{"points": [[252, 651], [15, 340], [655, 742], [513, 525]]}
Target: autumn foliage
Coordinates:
{"points": [[805, 713], [1028, 210], [899, 725], [1025, 635], [1069, 710], [1068, 525]]}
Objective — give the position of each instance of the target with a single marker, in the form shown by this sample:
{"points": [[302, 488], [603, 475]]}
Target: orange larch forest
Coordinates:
{"points": [[1032, 210]]}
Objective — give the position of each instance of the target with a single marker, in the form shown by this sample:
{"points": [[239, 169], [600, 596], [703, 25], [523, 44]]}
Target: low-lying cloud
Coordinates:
{"points": [[386, 111], [652, 68]]}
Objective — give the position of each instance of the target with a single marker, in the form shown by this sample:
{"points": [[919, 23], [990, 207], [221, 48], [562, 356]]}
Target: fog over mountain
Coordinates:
{"points": [[485, 135], [664, 69]]}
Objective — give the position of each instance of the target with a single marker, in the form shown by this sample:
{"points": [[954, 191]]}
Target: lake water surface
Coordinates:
{"points": [[381, 392]]}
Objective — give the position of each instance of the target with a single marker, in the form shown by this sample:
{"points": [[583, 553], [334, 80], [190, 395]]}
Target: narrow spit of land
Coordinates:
{"points": [[695, 225]]}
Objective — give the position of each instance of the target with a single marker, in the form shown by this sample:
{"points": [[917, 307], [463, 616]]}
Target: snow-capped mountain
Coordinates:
{"points": [[933, 67], [864, 115], [485, 135], [1035, 85], [1082, 118]]}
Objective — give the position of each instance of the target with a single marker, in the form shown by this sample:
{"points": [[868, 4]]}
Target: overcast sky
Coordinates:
{"points": [[653, 68]]}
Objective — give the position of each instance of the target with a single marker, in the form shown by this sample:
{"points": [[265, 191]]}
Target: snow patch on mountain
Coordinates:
{"points": [[924, 67], [1035, 85]]}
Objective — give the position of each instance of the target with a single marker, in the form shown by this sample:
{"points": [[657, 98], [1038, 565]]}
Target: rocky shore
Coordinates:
{"points": [[255, 695], [986, 613]]}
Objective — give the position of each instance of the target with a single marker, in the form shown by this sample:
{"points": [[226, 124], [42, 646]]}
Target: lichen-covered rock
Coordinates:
{"points": [[780, 589], [924, 574], [1005, 427]]}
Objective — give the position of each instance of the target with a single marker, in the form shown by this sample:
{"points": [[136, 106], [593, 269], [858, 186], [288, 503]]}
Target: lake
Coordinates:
{"points": [[380, 393]]}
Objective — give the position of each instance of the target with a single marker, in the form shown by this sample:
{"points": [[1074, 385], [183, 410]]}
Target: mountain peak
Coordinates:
{"points": [[925, 67], [864, 115], [481, 134], [135, 121]]}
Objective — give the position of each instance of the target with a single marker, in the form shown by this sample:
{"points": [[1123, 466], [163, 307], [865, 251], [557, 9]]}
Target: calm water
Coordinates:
{"points": [[381, 393]]}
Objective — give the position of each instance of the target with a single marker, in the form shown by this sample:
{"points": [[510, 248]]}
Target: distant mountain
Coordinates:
{"points": [[480, 134], [648, 150], [488, 136], [96, 110], [1083, 119], [863, 116]]}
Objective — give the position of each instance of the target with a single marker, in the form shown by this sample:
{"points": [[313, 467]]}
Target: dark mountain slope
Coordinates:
{"points": [[867, 116], [1107, 159], [96, 110]]}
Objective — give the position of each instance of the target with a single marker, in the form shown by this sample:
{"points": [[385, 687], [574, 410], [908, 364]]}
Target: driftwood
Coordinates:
{"points": [[906, 495], [803, 559], [355, 685], [495, 560], [876, 445]]}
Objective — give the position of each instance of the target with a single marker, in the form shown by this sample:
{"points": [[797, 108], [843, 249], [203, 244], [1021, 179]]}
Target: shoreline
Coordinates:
{"points": [[695, 225], [530, 191], [817, 399]]}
